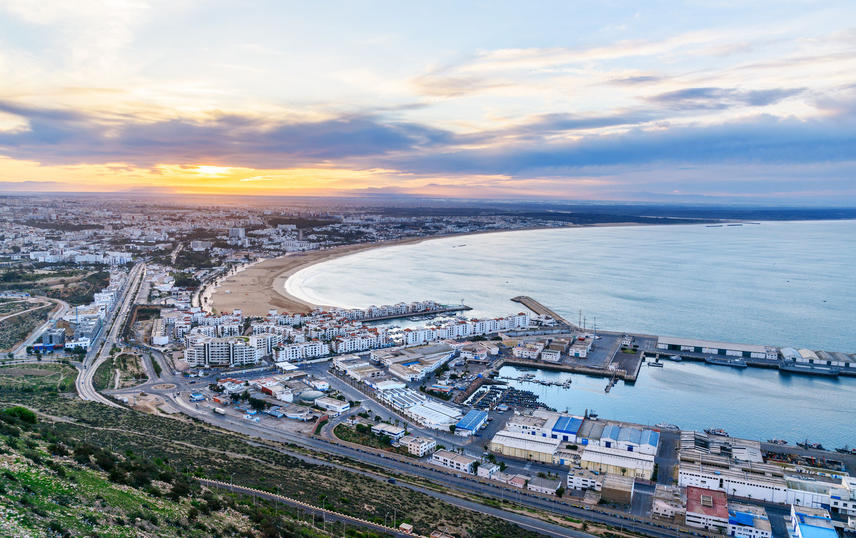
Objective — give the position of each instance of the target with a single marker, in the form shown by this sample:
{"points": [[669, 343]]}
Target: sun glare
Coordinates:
{"points": [[212, 170]]}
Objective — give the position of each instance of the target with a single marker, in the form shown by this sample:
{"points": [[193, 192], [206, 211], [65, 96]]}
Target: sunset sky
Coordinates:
{"points": [[720, 100]]}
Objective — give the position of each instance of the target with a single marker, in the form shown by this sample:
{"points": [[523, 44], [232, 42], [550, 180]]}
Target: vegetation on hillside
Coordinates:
{"points": [[192, 449]]}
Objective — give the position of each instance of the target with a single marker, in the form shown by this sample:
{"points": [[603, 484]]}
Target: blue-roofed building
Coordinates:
{"points": [[748, 521], [809, 522], [566, 428], [617, 437], [470, 423]]}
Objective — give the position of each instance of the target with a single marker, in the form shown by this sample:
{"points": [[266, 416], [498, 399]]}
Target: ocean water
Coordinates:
{"points": [[776, 283]]}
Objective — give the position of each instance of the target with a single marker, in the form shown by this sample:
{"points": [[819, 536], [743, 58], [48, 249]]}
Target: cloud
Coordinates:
{"points": [[68, 137], [720, 98]]}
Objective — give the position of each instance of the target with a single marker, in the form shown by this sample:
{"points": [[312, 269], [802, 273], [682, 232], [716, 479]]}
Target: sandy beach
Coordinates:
{"points": [[261, 286]]}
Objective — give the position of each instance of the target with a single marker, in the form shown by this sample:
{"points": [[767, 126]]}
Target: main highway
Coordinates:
{"points": [[173, 398], [108, 336]]}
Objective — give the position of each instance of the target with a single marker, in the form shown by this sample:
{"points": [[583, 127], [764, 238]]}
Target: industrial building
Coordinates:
{"points": [[548, 486], [617, 461], [707, 509], [748, 521], [471, 423], [725, 349], [810, 523], [524, 446], [618, 489], [420, 408]]}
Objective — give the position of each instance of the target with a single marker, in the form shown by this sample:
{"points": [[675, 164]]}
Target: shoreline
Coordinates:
{"points": [[261, 285]]}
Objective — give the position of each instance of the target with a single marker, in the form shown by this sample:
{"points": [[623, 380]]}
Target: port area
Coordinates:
{"points": [[619, 355]]}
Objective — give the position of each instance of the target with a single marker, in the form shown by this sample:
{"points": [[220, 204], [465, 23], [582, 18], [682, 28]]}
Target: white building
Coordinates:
{"points": [[451, 460], [332, 405], [418, 446], [748, 521]]}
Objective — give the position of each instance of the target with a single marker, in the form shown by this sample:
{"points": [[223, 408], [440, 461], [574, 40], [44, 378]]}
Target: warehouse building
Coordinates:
{"points": [[524, 446], [726, 349], [619, 462], [618, 489], [471, 423]]}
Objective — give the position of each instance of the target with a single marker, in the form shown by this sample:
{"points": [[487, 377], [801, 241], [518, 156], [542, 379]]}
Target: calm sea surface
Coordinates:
{"points": [[781, 283]]}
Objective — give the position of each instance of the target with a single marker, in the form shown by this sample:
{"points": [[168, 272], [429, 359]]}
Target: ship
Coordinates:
{"points": [[656, 364], [716, 431], [714, 226], [793, 367], [724, 361], [777, 441], [667, 426], [676, 358], [813, 446]]}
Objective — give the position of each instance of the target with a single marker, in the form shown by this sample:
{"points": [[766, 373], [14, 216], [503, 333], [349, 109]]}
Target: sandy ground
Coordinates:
{"points": [[261, 286]]}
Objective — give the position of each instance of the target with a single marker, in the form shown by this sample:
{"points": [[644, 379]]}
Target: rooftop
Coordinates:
{"points": [[707, 501]]}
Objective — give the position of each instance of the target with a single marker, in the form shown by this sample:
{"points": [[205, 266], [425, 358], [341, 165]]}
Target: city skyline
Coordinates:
{"points": [[668, 102]]}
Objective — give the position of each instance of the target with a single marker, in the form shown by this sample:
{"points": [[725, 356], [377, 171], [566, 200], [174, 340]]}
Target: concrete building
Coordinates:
{"points": [[470, 423], [584, 479], [808, 522], [618, 462], [618, 489], [748, 521], [393, 432], [548, 486], [707, 509], [451, 460], [418, 446], [523, 446], [332, 405], [669, 502], [725, 349]]}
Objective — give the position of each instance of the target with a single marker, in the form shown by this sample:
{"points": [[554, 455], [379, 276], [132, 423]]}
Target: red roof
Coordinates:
{"points": [[707, 501]]}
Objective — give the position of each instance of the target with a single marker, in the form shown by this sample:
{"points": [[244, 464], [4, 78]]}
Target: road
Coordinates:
{"points": [[435, 475], [96, 356], [64, 307]]}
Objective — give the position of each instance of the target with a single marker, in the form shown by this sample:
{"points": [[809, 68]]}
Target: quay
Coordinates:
{"points": [[542, 310], [618, 373], [625, 364]]}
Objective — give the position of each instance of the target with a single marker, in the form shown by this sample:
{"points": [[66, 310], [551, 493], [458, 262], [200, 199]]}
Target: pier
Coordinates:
{"points": [[542, 310], [627, 362]]}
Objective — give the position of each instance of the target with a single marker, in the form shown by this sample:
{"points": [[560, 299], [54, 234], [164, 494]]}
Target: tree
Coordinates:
{"points": [[452, 428]]}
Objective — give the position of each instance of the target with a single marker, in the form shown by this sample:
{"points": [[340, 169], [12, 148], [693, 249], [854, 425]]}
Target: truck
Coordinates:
{"points": [[218, 410]]}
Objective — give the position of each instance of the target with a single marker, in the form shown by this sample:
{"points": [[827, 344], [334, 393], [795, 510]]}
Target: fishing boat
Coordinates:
{"points": [[667, 426], [676, 358], [777, 441], [813, 446], [656, 364], [716, 431]]}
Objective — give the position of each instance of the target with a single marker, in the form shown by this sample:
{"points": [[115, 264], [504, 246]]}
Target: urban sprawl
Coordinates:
{"points": [[417, 383]]}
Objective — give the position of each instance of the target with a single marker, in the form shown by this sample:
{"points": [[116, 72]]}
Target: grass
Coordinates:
{"points": [[195, 449], [15, 329]]}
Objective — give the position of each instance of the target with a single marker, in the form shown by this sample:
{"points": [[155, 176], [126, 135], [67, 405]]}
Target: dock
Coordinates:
{"points": [[542, 310]]}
